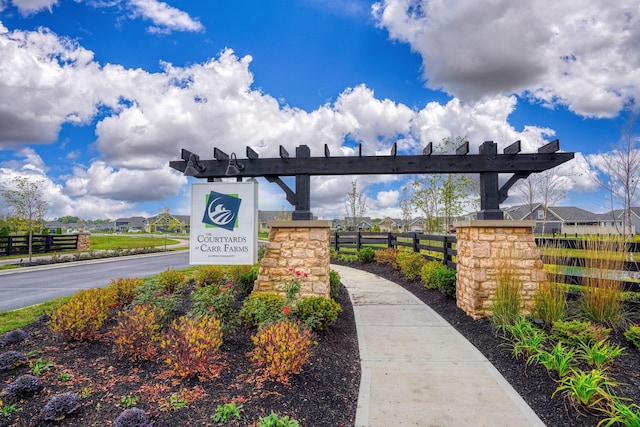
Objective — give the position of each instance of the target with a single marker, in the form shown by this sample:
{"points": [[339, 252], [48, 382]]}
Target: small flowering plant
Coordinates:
{"points": [[293, 285]]}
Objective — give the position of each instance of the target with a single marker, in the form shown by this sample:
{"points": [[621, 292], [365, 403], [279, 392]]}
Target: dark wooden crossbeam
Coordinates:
{"points": [[376, 165], [487, 163]]}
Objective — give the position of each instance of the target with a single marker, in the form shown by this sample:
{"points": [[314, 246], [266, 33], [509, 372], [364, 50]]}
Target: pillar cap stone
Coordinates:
{"points": [[494, 223], [300, 224]]}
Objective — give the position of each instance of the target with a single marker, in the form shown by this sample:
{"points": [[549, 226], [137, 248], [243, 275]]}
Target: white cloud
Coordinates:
{"points": [[146, 118], [165, 18], [583, 57], [27, 7]]}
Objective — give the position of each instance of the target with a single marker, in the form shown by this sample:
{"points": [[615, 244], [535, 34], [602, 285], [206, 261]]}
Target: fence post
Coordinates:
{"points": [[10, 245], [335, 243], [416, 241], [358, 242], [445, 247], [389, 240], [48, 242]]}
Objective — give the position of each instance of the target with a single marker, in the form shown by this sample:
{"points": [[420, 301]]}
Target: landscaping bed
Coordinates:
{"points": [[533, 382], [323, 394]]}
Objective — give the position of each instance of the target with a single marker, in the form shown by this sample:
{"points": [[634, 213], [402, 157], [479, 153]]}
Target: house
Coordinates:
{"points": [[168, 223], [567, 219], [265, 217], [131, 225]]}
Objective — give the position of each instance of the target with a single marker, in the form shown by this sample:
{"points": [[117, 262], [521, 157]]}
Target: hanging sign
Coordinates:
{"points": [[224, 223]]}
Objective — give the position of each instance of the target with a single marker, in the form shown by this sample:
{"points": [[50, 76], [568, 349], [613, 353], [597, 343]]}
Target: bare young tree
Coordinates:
{"points": [[406, 211], [25, 199], [621, 167], [355, 205], [546, 188]]}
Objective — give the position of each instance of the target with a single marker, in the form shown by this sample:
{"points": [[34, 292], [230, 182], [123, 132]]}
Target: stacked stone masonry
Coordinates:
{"points": [[296, 246], [83, 242], [487, 249]]}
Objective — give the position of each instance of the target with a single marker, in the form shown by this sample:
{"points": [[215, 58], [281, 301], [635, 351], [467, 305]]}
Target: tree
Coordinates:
{"points": [[442, 197], [27, 204], [406, 211], [167, 222], [545, 188], [355, 205], [621, 166]]}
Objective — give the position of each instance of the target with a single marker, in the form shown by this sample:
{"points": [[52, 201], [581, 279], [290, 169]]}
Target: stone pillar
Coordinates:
{"points": [[296, 246], [484, 249], [83, 242]]}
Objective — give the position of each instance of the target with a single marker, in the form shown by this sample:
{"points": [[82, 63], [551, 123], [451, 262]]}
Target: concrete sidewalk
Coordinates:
{"points": [[417, 370]]}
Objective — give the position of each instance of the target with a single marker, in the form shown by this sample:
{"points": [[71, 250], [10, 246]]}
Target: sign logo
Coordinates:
{"points": [[221, 210]]}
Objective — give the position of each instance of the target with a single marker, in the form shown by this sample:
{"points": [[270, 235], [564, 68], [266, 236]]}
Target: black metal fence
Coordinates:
{"points": [[19, 245], [442, 248]]}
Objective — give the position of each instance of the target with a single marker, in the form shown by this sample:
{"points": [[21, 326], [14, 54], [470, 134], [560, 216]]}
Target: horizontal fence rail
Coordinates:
{"points": [[431, 246], [19, 245], [442, 248]]}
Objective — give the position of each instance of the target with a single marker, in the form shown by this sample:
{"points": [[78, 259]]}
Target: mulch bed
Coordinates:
{"points": [[532, 382], [324, 394]]}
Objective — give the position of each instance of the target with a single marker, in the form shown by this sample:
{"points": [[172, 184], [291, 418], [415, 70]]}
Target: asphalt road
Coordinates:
{"points": [[34, 285]]}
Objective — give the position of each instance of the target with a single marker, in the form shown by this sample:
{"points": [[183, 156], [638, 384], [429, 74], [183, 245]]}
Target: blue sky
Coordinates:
{"points": [[97, 96]]}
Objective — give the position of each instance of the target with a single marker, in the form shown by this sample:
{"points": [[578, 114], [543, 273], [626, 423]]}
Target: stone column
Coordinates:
{"points": [[83, 242], [484, 249], [296, 246]]}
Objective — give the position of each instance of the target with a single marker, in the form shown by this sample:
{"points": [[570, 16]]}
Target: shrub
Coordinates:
{"points": [[387, 256], [83, 315], [191, 346], [170, 281], [234, 272], [247, 279], [206, 275], [281, 349], [24, 386], [317, 312], [59, 406], [366, 255], [587, 389], [132, 417], [11, 359], [216, 301], [152, 295], [575, 332], [428, 273], [137, 332], [410, 264], [445, 280], [633, 335], [275, 420], [13, 337], [263, 307], [334, 284], [125, 289]]}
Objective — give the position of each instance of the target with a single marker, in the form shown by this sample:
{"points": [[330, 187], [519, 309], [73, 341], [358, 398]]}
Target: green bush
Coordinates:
{"points": [[366, 255], [216, 301], [261, 308], [210, 275], [334, 284], [153, 295], [428, 273], [575, 332], [317, 312], [410, 264], [170, 280], [445, 281], [633, 335], [247, 279]]}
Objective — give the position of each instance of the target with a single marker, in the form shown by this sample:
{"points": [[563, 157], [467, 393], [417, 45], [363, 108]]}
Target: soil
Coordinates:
{"points": [[324, 394]]}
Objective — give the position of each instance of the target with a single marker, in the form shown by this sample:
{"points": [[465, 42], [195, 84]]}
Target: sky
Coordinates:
{"points": [[97, 96]]}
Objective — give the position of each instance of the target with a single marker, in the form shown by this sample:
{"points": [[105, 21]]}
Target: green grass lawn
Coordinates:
{"points": [[109, 242]]}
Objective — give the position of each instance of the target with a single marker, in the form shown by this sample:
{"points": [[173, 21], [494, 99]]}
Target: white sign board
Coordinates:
{"points": [[224, 223]]}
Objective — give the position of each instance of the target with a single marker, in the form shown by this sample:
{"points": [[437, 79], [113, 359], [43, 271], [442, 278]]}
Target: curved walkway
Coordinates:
{"points": [[417, 370]]}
